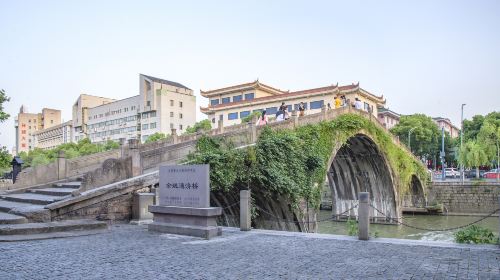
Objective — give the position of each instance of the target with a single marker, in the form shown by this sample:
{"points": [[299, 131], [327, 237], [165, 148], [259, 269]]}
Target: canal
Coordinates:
{"points": [[422, 221]]}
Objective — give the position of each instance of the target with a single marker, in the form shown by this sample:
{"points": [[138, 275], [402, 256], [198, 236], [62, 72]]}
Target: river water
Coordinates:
{"points": [[423, 221]]}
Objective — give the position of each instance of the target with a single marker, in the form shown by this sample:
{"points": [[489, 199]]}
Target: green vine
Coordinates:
{"points": [[293, 163]]}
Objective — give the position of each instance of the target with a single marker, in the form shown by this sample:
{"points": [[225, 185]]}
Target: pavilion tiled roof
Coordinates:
{"points": [[254, 84], [286, 95]]}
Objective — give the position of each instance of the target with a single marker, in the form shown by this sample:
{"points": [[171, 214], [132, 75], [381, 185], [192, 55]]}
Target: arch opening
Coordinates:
{"points": [[359, 166]]}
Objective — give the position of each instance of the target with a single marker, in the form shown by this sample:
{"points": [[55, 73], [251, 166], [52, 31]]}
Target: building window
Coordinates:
{"points": [[316, 104], [232, 116], [152, 114], [148, 103], [213, 120], [237, 98], [214, 102], [51, 121], [226, 100], [249, 96], [145, 126], [289, 108], [244, 114], [171, 103], [152, 125], [144, 115], [171, 114], [171, 125], [271, 111], [367, 107], [180, 115], [221, 117], [180, 127], [180, 104]]}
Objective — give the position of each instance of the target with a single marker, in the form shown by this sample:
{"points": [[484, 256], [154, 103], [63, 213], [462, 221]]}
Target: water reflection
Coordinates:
{"points": [[423, 221]]}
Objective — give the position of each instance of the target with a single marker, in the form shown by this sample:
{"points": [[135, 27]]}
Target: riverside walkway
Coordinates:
{"points": [[131, 252]]}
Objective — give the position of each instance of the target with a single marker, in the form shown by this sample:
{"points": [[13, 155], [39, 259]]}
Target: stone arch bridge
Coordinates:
{"points": [[105, 182]]}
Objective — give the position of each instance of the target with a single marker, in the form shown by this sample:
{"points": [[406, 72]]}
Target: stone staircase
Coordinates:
{"points": [[20, 218]]}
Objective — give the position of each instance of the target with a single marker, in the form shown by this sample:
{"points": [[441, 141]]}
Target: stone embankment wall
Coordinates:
{"points": [[470, 198]]}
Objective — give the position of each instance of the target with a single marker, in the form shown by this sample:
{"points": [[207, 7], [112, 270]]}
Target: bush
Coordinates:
{"points": [[352, 227], [475, 234]]}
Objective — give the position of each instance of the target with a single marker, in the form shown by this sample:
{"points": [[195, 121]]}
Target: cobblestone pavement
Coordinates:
{"points": [[131, 252]]}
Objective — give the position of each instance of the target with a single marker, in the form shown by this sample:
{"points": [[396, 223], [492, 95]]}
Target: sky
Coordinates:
{"points": [[423, 56]]}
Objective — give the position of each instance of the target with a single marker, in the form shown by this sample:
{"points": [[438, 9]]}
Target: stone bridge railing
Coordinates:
{"points": [[148, 157]]}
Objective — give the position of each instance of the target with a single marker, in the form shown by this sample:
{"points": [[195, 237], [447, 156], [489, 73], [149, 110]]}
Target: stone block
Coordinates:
{"points": [[198, 222], [140, 211]]}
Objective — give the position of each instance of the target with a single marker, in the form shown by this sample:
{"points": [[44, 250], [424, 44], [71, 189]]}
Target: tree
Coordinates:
{"points": [[489, 136], [200, 126], [425, 135], [3, 98], [471, 127], [5, 159], [249, 118], [473, 154], [156, 137]]}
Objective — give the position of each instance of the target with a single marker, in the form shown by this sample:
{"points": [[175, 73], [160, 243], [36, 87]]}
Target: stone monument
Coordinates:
{"points": [[184, 204]]}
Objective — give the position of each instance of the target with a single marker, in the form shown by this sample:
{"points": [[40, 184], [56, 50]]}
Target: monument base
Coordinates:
{"points": [[198, 222]]}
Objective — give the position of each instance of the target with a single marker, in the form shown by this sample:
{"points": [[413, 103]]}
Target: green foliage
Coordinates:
{"points": [[3, 98], [471, 127], [352, 227], [249, 118], [200, 126], [473, 154], [156, 137], [71, 150], [425, 137], [5, 160], [293, 163], [475, 234]]}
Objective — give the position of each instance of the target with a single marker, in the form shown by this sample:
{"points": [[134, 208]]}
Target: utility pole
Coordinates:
{"points": [[409, 137], [443, 175], [461, 144]]}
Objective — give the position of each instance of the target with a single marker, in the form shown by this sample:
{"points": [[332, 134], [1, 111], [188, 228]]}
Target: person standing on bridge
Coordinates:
{"points": [[338, 102], [358, 105], [262, 119], [301, 109]]}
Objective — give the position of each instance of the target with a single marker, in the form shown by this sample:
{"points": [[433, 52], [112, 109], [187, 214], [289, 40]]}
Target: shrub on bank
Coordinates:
{"points": [[476, 235]]}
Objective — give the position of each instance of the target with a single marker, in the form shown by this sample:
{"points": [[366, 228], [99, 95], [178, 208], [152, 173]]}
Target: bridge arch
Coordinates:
{"points": [[359, 165]]}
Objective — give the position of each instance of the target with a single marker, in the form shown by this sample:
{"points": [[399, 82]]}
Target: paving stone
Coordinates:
{"points": [[131, 252]]}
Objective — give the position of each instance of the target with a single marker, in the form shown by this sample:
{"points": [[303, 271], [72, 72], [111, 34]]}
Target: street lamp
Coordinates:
{"points": [[409, 137], [461, 143]]}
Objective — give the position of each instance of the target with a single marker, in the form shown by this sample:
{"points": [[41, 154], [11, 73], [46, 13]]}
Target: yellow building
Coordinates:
{"points": [[26, 124], [231, 104]]}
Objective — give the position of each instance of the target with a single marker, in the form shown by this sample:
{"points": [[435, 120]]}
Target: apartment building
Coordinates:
{"points": [[52, 137], [80, 113], [26, 124], [231, 104], [388, 118], [448, 126], [161, 106]]}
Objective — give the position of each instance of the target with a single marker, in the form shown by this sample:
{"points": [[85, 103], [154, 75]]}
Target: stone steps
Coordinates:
{"points": [[27, 231], [73, 185], [6, 218], [6, 206], [33, 198], [56, 191]]}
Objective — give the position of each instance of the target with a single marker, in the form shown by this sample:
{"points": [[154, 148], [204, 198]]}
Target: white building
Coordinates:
{"points": [[160, 107], [52, 137], [80, 113]]}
